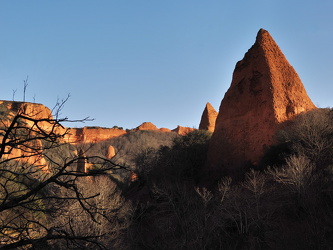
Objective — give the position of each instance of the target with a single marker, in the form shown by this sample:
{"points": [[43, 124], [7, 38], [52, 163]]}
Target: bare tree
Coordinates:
{"points": [[25, 85], [310, 134], [39, 183]]}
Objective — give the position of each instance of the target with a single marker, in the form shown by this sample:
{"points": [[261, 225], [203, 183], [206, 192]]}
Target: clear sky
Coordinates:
{"points": [[125, 62]]}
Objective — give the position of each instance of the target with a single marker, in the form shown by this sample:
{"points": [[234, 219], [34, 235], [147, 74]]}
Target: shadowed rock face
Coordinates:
{"points": [[208, 118], [265, 91]]}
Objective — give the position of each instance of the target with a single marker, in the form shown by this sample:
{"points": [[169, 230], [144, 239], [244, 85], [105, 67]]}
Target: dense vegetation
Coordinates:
{"points": [[285, 203]]}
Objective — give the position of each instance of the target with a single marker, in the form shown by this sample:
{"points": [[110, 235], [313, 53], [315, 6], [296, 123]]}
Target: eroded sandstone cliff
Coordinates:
{"points": [[92, 134], [265, 91], [33, 116]]}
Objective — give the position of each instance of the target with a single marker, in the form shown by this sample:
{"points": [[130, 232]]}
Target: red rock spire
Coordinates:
{"points": [[265, 91], [208, 118]]}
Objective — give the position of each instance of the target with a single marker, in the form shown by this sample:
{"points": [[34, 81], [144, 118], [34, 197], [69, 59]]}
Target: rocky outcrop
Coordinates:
{"points": [[265, 91], [92, 134], [208, 118], [29, 152], [150, 126], [35, 111], [111, 152], [183, 130], [146, 126], [165, 130]]}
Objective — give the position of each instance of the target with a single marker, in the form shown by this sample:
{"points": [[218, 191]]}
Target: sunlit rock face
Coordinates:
{"points": [[36, 116], [35, 111], [92, 134], [183, 130], [265, 91], [146, 126], [111, 152], [165, 130], [208, 118]]}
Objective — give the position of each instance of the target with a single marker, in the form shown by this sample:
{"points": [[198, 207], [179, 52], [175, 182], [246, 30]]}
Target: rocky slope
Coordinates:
{"points": [[265, 91]]}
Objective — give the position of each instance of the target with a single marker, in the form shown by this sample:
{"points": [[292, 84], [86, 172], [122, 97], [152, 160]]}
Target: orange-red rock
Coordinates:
{"points": [[183, 130], [151, 126], [31, 152], [33, 110], [28, 156], [92, 134], [208, 118], [165, 130], [111, 152], [146, 126], [265, 91]]}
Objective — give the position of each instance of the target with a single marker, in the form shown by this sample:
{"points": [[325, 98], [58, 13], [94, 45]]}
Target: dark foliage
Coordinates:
{"points": [[284, 205], [183, 161]]}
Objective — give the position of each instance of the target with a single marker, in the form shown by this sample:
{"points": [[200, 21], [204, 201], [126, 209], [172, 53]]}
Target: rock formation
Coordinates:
{"points": [[111, 152], [208, 118], [150, 126], [146, 126], [33, 110], [265, 91], [92, 134], [165, 130], [31, 151], [183, 130]]}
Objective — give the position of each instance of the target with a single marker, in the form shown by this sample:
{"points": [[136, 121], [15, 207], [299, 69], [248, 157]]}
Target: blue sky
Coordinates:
{"points": [[125, 62]]}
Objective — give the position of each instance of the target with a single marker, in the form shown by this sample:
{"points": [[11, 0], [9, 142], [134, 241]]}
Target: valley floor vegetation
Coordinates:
{"points": [[284, 203]]}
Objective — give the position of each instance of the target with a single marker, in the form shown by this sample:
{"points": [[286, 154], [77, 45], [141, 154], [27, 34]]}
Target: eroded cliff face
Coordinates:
{"points": [[92, 134], [36, 111], [265, 91], [96, 134], [208, 118], [31, 151]]}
